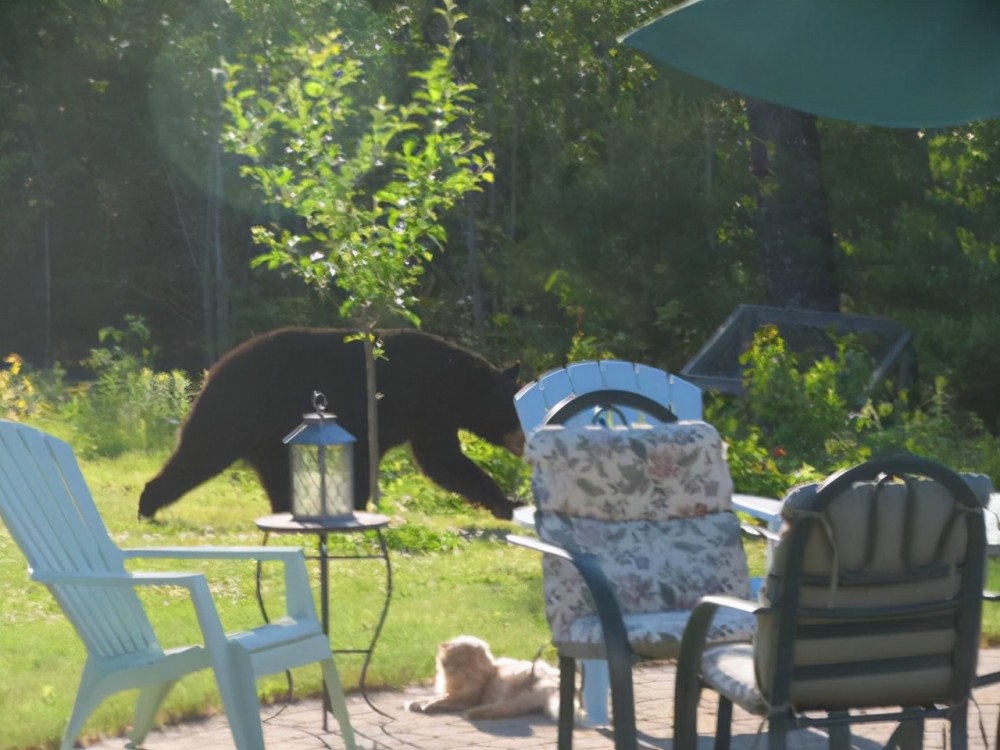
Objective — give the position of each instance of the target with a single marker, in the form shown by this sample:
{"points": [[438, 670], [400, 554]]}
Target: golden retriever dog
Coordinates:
{"points": [[470, 679]]}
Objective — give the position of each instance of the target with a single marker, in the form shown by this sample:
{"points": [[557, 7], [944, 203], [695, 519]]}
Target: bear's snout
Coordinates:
{"points": [[514, 442]]}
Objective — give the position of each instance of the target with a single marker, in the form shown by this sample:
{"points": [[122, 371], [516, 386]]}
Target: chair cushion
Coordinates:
{"points": [[729, 671], [860, 555], [652, 503], [655, 635], [641, 473]]}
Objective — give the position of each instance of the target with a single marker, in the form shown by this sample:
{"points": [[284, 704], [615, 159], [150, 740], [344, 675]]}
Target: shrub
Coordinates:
{"points": [[129, 406], [800, 423]]}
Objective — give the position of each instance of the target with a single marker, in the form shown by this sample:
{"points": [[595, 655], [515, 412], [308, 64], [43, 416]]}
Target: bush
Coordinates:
{"points": [[800, 423], [128, 406]]}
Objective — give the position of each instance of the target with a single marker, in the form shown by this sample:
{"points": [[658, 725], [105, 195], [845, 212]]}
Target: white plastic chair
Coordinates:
{"points": [[48, 509]]}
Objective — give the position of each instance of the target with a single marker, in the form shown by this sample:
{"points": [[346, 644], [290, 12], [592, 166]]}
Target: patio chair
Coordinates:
{"points": [[616, 393], [609, 390], [47, 508], [636, 525], [870, 612]]}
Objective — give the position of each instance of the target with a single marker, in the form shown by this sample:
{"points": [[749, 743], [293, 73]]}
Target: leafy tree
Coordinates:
{"points": [[369, 179]]}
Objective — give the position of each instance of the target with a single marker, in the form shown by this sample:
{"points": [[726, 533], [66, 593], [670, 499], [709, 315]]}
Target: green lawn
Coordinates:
{"points": [[476, 584], [473, 582]]}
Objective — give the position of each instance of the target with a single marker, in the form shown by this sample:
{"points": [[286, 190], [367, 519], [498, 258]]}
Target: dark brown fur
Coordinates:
{"points": [[428, 390]]}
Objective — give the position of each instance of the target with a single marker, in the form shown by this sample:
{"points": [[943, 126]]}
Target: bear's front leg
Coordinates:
{"points": [[440, 457]]}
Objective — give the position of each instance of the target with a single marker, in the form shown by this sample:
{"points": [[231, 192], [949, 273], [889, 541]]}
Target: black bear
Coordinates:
{"points": [[428, 390]]}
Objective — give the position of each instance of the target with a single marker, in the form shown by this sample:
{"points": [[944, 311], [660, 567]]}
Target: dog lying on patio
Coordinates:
{"points": [[470, 679]]}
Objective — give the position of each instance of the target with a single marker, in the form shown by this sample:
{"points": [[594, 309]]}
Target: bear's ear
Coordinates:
{"points": [[513, 371]]}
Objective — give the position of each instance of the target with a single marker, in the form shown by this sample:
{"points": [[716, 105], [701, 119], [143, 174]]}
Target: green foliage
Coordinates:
{"points": [[799, 408], [511, 474], [129, 406], [798, 422], [370, 178]]}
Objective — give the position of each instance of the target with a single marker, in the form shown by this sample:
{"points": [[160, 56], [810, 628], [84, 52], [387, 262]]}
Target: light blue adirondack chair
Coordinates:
{"points": [[47, 507]]}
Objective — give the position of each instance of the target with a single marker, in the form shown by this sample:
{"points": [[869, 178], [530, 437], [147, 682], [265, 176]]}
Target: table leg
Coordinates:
{"points": [[324, 606], [384, 551]]}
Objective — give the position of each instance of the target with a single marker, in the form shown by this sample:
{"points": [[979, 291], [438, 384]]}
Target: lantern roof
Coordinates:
{"points": [[318, 429]]}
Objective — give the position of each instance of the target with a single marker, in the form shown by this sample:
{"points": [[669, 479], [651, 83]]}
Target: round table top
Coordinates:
{"points": [[284, 523]]}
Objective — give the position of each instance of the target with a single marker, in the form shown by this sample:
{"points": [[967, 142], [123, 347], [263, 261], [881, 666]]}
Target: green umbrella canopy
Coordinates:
{"points": [[894, 63]]}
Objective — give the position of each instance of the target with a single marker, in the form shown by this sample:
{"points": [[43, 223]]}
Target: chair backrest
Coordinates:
{"points": [[876, 586], [48, 510], [622, 392], [651, 503]]}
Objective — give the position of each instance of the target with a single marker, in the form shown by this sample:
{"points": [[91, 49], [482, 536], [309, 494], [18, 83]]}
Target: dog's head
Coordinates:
{"points": [[463, 662]]}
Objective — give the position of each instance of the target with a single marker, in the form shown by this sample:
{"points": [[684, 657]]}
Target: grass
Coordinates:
{"points": [[474, 583], [452, 573]]}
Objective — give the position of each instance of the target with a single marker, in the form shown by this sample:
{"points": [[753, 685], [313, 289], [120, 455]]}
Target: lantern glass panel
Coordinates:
{"points": [[321, 481]]}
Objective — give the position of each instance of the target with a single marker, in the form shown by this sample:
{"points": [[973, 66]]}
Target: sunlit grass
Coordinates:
{"points": [[477, 584]]}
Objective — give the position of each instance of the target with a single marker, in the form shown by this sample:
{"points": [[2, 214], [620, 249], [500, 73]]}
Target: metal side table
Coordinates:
{"points": [[284, 523]]}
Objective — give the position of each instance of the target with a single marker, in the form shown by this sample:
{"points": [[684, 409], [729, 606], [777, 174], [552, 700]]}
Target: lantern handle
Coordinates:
{"points": [[319, 401]]}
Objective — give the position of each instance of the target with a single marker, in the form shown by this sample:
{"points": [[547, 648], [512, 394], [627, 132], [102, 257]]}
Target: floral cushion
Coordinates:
{"points": [[653, 504], [654, 635], [655, 472], [729, 670]]}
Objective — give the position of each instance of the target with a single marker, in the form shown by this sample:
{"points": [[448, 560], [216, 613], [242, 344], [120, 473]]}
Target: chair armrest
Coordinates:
{"points": [[730, 602], [91, 578], [763, 531], [616, 645], [298, 595], [539, 546], [215, 553], [765, 508]]}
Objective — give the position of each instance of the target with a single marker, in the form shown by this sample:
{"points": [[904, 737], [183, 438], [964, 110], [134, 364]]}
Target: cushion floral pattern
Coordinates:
{"points": [[654, 505], [655, 473]]}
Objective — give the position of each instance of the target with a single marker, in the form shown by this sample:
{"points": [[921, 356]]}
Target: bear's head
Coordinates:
{"points": [[491, 415]]}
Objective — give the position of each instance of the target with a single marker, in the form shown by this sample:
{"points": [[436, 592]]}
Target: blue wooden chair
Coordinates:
{"points": [[608, 392], [47, 507], [611, 390]]}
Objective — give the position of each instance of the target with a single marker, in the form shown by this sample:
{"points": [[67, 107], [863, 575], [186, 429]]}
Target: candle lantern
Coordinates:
{"points": [[321, 454]]}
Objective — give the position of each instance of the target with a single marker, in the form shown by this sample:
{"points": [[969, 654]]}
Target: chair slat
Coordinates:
{"points": [[49, 511], [586, 377]]}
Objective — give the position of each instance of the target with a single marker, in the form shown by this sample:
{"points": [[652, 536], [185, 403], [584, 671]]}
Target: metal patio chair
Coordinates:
{"points": [[635, 524], [870, 612]]}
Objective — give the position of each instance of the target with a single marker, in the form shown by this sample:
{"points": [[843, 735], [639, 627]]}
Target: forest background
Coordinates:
{"points": [[628, 215]]}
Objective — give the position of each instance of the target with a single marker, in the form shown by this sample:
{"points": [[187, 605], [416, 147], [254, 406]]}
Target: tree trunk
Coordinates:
{"points": [[372, 392], [793, 219]]}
